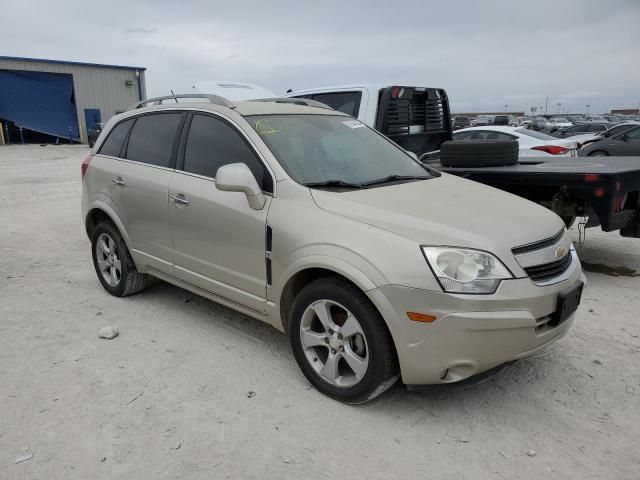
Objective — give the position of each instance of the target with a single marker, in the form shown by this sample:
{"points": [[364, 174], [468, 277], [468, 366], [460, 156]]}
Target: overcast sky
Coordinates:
{"points": [[486, 54]]}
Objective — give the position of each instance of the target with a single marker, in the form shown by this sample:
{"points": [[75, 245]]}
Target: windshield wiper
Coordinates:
{"points": [[395, 178], [334, 183]]}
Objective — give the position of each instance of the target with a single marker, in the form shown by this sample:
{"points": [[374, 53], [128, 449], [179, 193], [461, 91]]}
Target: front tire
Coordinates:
{"points": [[341, 342], [113, 262]]}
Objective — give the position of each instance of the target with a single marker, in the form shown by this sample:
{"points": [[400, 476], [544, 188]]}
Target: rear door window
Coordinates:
{"points": [[112, 146], [153, 137], [345, 102], [212, 143]]}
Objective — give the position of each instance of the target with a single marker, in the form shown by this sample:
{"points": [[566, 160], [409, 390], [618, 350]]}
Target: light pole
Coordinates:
{"points": [[505, 108], [587, 105], [559, 105]]}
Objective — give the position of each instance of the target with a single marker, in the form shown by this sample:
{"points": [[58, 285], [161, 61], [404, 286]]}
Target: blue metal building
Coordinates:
{"points": [[56, 99]]}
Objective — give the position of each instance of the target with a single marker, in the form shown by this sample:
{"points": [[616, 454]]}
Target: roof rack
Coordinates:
{"points": [[214, 99], [296, 101]]}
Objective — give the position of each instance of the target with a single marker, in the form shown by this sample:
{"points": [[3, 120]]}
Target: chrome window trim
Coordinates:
{"points": [[212, 179], [135, 162]]}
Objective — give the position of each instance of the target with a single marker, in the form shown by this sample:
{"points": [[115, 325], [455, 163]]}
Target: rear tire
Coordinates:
{"points": [[113, 262], [599, 153], [340, 341], [479, 153]]}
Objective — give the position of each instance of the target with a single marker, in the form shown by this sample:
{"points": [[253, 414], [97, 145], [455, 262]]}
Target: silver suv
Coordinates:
{"points": [[375, 265]]}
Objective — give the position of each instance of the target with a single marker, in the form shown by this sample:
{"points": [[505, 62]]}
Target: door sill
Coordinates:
{"points": [[207, 294]]}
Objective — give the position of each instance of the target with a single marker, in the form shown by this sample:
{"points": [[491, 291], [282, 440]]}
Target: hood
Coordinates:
{"points": [[446, 210]]}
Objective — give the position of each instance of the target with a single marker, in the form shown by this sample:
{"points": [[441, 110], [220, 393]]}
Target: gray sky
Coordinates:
{"points": [[484, 53]]}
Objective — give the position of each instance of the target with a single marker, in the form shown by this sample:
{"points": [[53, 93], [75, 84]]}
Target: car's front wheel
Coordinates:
{"points": [[341, 342], [113, 262]]}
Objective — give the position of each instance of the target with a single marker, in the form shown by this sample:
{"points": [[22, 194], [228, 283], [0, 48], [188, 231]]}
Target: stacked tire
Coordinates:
{"points": [[479, 153]]}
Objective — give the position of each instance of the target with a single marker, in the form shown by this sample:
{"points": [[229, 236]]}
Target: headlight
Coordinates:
{"points": [[460, 270]]}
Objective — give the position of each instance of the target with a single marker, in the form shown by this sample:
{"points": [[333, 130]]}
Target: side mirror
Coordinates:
{"points": [[236, 177]]}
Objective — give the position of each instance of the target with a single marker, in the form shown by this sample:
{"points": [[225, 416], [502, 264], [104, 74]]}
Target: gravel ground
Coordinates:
{"points": [[191, 389]]}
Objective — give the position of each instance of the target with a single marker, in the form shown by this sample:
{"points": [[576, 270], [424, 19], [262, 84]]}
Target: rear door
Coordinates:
{"points": [[218, 239], [140, 187]]}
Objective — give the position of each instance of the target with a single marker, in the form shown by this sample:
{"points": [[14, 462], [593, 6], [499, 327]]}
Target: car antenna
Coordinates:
{"points": [[172, 93]]}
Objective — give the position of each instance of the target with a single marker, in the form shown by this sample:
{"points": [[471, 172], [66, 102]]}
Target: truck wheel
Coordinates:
{"points": [[341, 342], [479, 153], [113, 263]]}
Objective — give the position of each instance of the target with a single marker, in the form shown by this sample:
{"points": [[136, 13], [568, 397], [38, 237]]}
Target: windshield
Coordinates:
{"points": [[316, 149], [534, 134]]}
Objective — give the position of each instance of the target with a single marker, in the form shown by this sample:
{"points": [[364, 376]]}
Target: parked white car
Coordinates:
{"points": [[531, 143], [558, 122]]}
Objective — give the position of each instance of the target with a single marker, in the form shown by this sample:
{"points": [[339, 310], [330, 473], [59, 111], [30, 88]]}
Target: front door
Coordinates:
{"points": [[218, 239]]}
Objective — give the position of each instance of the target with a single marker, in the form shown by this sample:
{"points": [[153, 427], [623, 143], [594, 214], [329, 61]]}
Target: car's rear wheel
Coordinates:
{"points": [[599, 153], [113, 262], [341, 342]]}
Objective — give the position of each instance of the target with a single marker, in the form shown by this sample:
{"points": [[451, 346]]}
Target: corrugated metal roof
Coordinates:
{"points": [[65, 62]]}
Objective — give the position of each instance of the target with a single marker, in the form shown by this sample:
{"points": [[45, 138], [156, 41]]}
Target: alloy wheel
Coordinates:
{"points": [[108, 260], [334, 343]]}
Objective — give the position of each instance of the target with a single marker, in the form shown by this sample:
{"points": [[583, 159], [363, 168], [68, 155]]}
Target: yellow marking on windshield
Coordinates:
{"points": [[263, 127]]}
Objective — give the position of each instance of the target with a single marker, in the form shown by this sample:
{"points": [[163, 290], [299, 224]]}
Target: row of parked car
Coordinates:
{"points": [[570, 135]]}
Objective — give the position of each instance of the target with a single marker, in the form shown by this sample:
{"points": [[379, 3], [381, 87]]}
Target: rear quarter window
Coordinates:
{"points": [[112, 146]]}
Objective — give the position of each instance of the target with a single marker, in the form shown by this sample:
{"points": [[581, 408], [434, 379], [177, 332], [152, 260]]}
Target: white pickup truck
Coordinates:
{"points": [[416, 118]]}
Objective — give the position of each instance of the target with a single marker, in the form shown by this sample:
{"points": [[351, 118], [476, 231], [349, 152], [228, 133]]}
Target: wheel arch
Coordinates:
{"points": [[100, 212], [299, 275]]}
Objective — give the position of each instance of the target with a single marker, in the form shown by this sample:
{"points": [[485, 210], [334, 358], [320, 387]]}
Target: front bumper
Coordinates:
{"points": [[471, 333]]}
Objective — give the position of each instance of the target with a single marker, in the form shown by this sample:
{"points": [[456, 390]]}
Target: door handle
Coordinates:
{"points": [[118, 181], [179, 199]]}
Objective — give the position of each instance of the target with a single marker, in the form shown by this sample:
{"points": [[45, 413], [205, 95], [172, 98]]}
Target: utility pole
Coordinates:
{"points": [[559, 104], [505, 108], [587, 105], [546, 104]]}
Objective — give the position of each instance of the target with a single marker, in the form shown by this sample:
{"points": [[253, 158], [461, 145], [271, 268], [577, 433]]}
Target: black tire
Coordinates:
{"points": [[598, 153], [130, 280], [91, 143], [382, 370], [479, 153]]}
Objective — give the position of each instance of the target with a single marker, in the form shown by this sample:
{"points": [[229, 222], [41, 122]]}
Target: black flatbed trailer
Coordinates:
{"points": [[605, 189]]}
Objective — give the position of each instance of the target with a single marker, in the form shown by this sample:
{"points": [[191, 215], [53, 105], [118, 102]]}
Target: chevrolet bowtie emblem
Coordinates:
{"points": [[560, 252]]}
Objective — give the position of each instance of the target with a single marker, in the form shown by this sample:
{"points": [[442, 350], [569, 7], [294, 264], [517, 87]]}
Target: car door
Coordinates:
{"points": [[218, 239], [140, 186], [630, 144], [626, 143]]}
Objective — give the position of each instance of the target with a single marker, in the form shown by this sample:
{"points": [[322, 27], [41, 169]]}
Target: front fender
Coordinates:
{"points": [[325, 262]]}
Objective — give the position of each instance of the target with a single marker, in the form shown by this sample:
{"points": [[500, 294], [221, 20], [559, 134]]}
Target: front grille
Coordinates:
{"points": [[539, 245], [547, 271]]}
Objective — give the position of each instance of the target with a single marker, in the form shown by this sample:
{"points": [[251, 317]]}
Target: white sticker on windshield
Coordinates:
{"points": [[353, 124]]}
